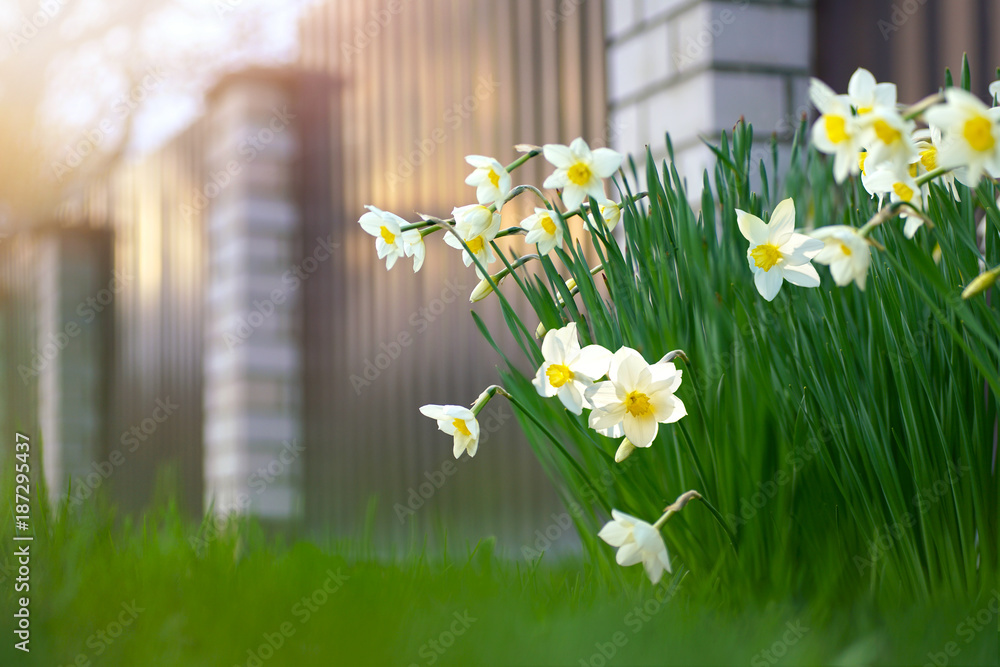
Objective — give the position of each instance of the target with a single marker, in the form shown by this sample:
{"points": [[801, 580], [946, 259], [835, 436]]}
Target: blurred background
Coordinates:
{"points": [[185, 294]]}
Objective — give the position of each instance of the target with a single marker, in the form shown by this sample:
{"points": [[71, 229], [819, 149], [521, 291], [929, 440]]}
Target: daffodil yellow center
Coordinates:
{"points": [[861, 161], [387, 236], [558, 375], [913, 170], [979, 133], [460, 426], [863, 110], [886, 133], [494, 178], [904, 191], [548, 225], [836, 129], [928, 158], [476, 245], [578, 174], [765, 256], [844, 249], [637, 404]]}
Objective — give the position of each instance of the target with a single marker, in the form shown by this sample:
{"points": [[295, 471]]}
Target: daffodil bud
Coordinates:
{"points": [[484, 288], [540, 330], [981, 283], [624, 451]]}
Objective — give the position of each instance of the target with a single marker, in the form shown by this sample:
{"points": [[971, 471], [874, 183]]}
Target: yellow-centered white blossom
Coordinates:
{"points": [[490, 178], [477, 225], [458, 422], [390, 242], [569, 371], [544, 229], [927, 142], [903, 188], [836, 132], [865, 93], [637, 541], [638, 396], [887, 137], [845, 252], [610, 213], [580, 172], [971, 136], [777, 253]]}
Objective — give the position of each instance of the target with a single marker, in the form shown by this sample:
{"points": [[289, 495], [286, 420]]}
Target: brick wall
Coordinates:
{"points": [[693, 67]]}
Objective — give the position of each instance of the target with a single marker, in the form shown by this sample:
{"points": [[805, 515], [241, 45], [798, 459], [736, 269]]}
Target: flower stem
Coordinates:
{"points": [[722, 522], [576, 464]]}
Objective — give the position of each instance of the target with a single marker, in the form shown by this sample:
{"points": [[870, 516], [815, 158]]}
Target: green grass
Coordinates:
{"points": [[214, 605]]}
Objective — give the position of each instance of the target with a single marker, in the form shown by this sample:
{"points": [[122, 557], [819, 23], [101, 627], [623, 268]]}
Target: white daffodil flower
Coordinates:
{"points": [[637, 395], [866, 177], [971, 132], [580, 172], [776, 252], [903, 188], [865, 94], [637, 541], [568, 371], [477, 225], [390, 242], [610, 213], [845, 252], [927, 142], [886, 136], [491, 180], [543, 229], [458, 422], [836, 132]]}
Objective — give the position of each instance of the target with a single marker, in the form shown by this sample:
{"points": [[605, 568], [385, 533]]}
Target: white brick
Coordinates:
{"points": [[637, 63], [684, 110], [778, 36], [760, 98], [693, 38], [620, 16], [625, 130]]}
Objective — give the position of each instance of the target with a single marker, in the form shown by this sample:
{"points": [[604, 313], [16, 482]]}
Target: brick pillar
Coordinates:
{"points": [[67, 358], [253, 359], [693, 67]]}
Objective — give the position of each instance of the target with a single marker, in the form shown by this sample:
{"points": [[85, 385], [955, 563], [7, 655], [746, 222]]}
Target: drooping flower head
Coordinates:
{"points": [[491, 180], [569, 371], [580, 172], [458, 422], [477, 225], [776, 252], [845, 252], [638, 396], [391, 242], [637, 541], [544, 229]]}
